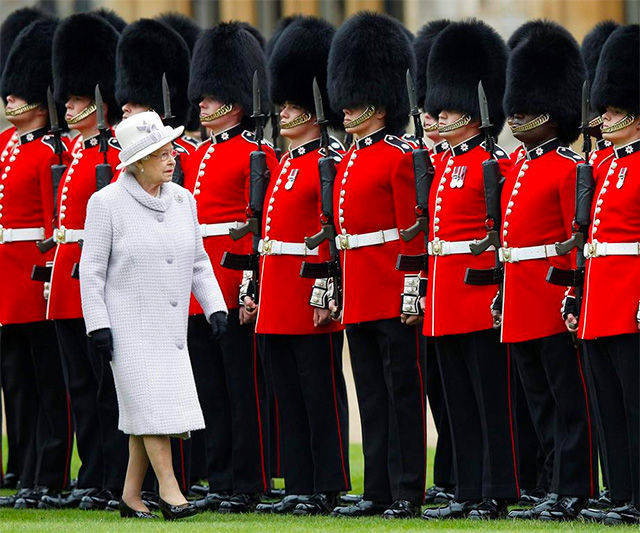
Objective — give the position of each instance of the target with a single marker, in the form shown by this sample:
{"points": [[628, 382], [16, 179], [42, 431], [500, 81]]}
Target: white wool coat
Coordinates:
{"points": [[142, 257]]}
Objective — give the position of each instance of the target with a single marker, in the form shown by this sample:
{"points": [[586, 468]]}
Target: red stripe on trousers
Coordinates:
{"points": [[586, 403], [335, 406], [422, 397], [513, 442], [255, 385]]}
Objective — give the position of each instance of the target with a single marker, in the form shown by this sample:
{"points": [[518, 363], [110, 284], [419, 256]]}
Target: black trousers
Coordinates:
{"points": [[229, 380], [443, 475], [616, 378], [308, 380], [102, 448], [388, 369], [553, 379], [35, 393], [475, 374], [198, 469]]}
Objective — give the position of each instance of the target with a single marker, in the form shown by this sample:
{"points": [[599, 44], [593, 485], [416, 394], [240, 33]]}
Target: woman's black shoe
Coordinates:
{"points": [[128, 512], [176, 512]]}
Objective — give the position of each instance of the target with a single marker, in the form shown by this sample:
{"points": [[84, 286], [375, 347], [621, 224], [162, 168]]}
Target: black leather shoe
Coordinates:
{"points": [[9, 481], [102, 500], [349, 498], [318, 504], [211, 501], [402, 509], [128, 512], [590, 514], [454, 510], [275, 494], [285, 506], [65, 501], [361, 508], [489, 509], [150, 499], [627, 514], [32, 498], [436, 494], [176, 512], [10, 501], [532, 513], [240, 503], [198, 489], [530, 498], [566, 508]]}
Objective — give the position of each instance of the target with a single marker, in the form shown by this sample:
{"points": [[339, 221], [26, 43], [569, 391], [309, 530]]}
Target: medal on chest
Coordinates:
{"points": [[621, 176], [291, 178], [457, 177]]}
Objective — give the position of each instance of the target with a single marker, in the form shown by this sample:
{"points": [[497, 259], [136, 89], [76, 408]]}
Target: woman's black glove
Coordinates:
{"points": [[102, 343], [218, 324]]}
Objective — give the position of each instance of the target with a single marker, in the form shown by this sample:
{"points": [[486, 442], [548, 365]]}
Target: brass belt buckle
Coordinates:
{"points": [[1, 235], [60, 236], [436, 247], [506, 254], [591, 249], [266, 247], [344, 242]]}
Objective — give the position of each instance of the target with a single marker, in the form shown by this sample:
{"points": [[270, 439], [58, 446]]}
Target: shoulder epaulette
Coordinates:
{"points": [[567, 152], [335, 143], [398, 143], [191, 140], [333, 154], [113, 142], [50, 142], [500, 153], [410, 138], [249, 136], [180, 149]]}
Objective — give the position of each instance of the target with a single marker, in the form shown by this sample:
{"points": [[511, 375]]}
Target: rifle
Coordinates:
{"points": [[178, 174], [275, 131], [57, 171], [585, 187], [493, 181], [258, 180], [327, 170], [104, 174], [423, 173]]}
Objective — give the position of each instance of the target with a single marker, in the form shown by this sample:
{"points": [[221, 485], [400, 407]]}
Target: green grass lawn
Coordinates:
{"points": [[103, 521]]}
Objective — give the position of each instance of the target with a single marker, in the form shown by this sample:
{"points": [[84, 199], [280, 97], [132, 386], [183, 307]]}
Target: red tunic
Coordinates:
{"points": [[538, 201], [374, 191], [612, 292], [76, 187], [292, 212], [218, 176], [6, 135], [26, 201], [457, 212]]}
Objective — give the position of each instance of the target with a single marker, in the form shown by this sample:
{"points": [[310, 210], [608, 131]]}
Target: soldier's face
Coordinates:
{"points": [[536, 136], [376, 122], [457, 135], [289, 113], [15, 102], [623, 136], [130, 109], [427, 122], [75, 105], [208, 106]]}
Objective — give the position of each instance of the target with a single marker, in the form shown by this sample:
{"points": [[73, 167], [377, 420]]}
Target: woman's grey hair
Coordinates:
{"points": [[133, 167]]}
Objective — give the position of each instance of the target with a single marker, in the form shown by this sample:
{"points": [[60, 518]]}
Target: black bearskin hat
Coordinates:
{"points": [[27, 72], [256, 33], [12, 26], [463, 54], [592, 46], [368, 61], [545, 74], [300, 55], [280, 27], [148, 48], [224, 60], [520, 33], [617, 78], [185, 27], [111, 17], [84, 54], [422, 47]]}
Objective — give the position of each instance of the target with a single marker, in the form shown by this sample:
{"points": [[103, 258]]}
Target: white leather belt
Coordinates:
{"points": [[438, 247], [349, 242], [284, 248], [600, 249], [21, 234], [215, 230], [65, 236], [526, 253]]}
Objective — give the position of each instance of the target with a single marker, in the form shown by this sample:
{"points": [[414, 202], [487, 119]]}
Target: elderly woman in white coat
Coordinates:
{"points": [[142, 258]]}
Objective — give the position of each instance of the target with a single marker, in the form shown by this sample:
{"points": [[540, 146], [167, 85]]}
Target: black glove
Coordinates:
{"points": [[102, 343], [569, 307], [218, 324]]}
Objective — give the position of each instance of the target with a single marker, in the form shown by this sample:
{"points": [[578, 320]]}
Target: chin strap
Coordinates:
{"points": [[532, 124], [299, 120], [627, 120], [462, 121], [362, 118], [432, 128], [91, 108], [20, 110], [220, 112]]}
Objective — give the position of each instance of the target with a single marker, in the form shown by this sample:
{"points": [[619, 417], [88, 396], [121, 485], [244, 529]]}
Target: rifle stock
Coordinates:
{"points": [[423, 173]]}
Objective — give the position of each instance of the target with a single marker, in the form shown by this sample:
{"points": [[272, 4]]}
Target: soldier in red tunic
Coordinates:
{"points": [[538, 199], [83, 56], [609, 317], [228, 374], [374, 196], [474, 368], [304, 351], [31, 370]]}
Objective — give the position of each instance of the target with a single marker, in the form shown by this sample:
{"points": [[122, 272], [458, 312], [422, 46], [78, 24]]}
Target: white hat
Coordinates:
{"points": [[142, 134]]}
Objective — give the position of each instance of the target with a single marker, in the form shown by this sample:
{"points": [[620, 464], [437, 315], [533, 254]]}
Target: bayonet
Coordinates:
{"points": [[100, 109], [257, 109], [586, 112], [485, 120], [415, 110], [104, 173], [166, 98], [320, 118]]}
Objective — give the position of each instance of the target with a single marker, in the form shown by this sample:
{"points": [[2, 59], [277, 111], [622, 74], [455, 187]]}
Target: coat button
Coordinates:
{"points": [[180, 345], [173, 303], [170, 260], [160, 218]]}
